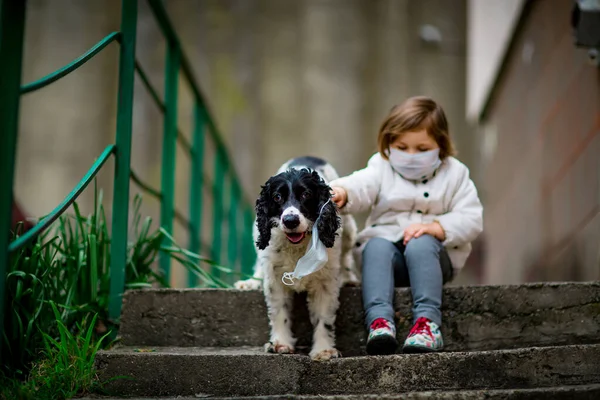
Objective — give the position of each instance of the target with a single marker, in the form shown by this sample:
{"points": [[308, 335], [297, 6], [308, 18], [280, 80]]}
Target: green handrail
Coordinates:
{"points": [[31, 234], [166, 26], [67, 69], [12, 19], [222, 160]]}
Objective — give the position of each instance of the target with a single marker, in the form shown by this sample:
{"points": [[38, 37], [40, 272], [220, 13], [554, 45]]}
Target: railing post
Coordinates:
{"points": [[167, 205], [232, 243], [120, 211], [218, 208], [12, 27], [196, 183], [248, 247]]}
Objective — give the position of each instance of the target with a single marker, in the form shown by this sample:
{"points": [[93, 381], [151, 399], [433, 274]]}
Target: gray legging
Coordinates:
{"points": [[422, 264]]}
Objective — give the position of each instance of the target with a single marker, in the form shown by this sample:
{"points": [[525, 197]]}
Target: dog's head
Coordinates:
{"points": [[291, 201]]}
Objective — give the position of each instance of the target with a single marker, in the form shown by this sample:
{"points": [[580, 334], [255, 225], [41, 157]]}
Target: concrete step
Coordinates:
{"points": [[581, 392], [248, 371], [475, 317]]}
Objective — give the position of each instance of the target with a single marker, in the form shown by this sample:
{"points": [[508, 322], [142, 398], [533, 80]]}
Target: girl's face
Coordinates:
{"points": [[414, 142]]}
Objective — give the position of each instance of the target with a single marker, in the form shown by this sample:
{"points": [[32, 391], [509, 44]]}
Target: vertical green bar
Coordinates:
{"points": [[196, 184], [120, 212], [167, 205], [244, 237], [217, 209], [248, 247], [232, 243], [12, 27]]}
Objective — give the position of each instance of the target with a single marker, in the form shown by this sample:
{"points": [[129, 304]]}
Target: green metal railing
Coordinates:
{"points": [[238, 212]]}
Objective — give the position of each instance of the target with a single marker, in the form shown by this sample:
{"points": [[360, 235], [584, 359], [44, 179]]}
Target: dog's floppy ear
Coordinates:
{"points": [[329, 222], [263, 223]]}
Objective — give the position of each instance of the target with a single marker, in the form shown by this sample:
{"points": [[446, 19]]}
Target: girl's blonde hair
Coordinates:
{"points": [[415, 114]]}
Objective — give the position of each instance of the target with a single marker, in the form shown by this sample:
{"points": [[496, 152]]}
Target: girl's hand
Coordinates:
{"points": [[415, 230], [339, 196]]}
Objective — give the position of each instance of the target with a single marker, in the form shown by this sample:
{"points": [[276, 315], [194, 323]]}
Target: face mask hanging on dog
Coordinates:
{"points": [[313, 260]]}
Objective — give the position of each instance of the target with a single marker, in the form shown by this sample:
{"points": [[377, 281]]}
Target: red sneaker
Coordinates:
{"points": [[424, 337], [382, 338]]}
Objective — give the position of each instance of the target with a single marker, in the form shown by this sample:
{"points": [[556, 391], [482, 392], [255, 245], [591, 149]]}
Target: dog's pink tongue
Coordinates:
{"points": [[295, 237]]}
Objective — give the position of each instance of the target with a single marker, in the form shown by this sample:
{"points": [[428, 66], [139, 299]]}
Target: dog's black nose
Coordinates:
{"points": [[291, 221]]}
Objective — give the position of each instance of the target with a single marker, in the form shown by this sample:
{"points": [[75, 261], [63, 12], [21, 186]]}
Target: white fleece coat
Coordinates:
{"points": [[448, 197]]}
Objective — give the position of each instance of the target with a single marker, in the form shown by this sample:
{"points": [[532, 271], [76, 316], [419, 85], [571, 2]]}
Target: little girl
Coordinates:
{"points": [[425, 213]]}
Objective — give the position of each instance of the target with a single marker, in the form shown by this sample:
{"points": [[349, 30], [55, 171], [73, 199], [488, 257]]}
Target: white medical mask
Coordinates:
{"points": [[415, 166], [313, 260]]}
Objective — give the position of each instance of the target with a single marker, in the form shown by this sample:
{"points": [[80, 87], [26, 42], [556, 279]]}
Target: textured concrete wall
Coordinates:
{"points": [[288, 78], [542, 170]]}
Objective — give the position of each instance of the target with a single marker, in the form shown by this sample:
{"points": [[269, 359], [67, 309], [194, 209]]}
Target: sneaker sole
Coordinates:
{"points": [[414, 349], [382, 345]]}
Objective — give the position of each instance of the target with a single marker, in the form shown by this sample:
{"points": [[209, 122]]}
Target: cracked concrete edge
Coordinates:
{"points": [[251, 375]]}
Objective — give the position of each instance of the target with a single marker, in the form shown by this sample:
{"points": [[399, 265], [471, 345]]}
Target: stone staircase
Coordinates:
{"points": [[536, 341]]}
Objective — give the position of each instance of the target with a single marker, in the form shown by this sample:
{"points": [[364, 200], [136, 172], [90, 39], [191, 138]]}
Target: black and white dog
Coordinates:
{"points": [[286, 210]]}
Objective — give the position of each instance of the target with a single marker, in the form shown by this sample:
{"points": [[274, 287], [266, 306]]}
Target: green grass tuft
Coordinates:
{"points": [[66, 366]]}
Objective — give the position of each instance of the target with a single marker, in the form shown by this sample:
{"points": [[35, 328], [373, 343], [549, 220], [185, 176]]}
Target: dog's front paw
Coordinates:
{"points": [[248, 284], [325, 355], [349, 278], [279, 348]]}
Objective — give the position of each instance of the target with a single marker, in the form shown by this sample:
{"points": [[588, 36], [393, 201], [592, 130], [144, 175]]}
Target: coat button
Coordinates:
{"points": [[424, 181], [426, 194]]}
